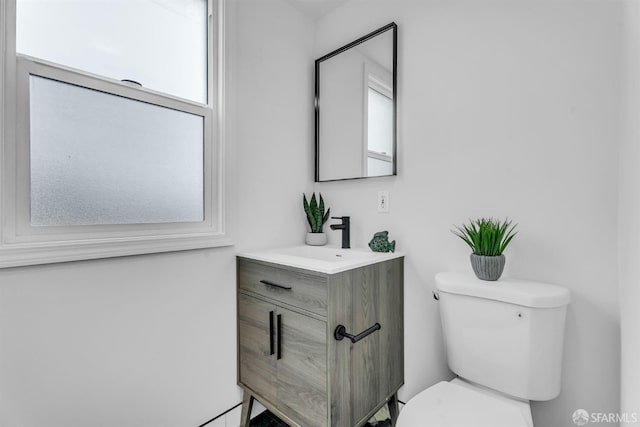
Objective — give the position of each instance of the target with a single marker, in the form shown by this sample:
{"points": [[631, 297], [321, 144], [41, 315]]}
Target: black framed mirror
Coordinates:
{"points": [[355, 108]]}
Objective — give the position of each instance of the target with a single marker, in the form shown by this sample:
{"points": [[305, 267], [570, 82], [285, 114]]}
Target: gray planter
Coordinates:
{"points": [[487, 267], [316, 239]]}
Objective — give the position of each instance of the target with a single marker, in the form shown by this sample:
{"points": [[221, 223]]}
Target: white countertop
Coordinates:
{"points": [[322, 259]]}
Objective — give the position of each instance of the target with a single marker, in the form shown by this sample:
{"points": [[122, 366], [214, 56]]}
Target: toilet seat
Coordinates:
{"points": [[450, 404]]}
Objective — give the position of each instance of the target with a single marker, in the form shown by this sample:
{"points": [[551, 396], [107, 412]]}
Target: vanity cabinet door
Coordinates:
{"points": [[256, 345], [302, 369], [283, 359]]}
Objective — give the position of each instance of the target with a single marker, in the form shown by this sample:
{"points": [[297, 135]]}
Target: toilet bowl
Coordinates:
{"points": [[504, 341], [460, 404]]}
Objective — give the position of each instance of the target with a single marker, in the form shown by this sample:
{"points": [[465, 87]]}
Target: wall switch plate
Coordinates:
{"points": [[383, 201]]}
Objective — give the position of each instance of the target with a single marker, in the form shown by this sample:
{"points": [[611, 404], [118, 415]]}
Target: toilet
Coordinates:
{"points": [[504, 342]]}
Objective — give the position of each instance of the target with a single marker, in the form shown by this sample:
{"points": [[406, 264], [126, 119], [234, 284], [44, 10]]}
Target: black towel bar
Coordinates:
{"points": [[341, 332]]}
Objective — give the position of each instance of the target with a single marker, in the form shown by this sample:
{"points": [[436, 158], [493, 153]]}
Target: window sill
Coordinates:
{"points": [[24, 254]]}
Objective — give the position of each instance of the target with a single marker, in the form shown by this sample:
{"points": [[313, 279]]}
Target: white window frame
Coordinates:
{"points": [[23, 244]]}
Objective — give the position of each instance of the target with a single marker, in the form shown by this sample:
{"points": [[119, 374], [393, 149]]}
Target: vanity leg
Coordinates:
{"points": [[247, 404], [393, 408]]}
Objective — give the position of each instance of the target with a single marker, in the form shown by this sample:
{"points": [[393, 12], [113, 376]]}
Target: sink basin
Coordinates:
{"points": [[324, 253], [322, 259]]}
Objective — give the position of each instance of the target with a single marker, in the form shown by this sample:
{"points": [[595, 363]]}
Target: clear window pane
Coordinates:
{"points": [[162, 44], [98, 158]]}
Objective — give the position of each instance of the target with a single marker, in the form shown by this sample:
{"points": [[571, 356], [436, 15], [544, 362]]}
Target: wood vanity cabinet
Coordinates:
{"points": [[290, 360]]}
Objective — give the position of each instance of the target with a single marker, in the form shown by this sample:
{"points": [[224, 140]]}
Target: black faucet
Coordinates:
{"points": [[346, 230]]}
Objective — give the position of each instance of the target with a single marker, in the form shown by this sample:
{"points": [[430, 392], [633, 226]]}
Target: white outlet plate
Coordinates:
{"points": [[383, 201]]}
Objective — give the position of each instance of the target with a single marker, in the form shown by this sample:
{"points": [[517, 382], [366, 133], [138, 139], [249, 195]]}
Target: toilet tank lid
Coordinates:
{"points": [[516, 291]]}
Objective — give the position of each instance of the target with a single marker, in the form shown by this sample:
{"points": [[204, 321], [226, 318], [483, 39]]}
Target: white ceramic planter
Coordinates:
{"points": [[316, 239]]}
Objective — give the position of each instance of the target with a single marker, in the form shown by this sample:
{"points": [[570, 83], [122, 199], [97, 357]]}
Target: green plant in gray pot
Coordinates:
{"points": [[488, 238], [316, 216]]}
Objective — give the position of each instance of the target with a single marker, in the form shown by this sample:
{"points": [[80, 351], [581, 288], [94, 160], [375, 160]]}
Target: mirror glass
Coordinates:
{"points": [[356, 108]]}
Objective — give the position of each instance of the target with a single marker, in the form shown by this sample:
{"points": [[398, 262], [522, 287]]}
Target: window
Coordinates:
{"points": [[162, 44], [112, 139], [380, 133], [378, 121]]}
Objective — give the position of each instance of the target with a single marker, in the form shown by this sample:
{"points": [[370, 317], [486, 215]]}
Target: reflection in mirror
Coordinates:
{"points": [[356, 108]]}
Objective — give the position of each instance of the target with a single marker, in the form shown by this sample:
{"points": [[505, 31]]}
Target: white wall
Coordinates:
{"points": [[629, 212], [126, 342], [506, 108], [275, 122], [150, 340]]}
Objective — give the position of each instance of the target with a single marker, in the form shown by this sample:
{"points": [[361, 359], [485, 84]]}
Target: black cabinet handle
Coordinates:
{"points": [[271, 344], [279, 355], [341, 332], [275, 285]]}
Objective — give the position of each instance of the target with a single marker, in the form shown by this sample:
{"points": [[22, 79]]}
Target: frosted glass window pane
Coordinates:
{"points": [[376, 167], [97, 159], [162, 44], [380, 123]]}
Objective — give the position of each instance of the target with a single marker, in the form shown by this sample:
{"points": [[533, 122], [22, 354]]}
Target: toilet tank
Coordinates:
{"points": [[506, 335]]}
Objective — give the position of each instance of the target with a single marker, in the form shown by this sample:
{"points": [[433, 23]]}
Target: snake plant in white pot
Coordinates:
{"points": [[316, 216], [488, 238]]}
